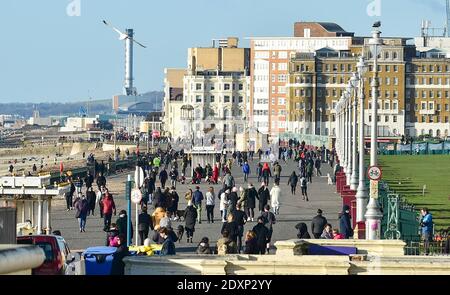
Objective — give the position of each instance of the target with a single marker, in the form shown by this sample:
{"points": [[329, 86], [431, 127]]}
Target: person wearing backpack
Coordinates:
{"points": [[225, 245], [304, 186]]}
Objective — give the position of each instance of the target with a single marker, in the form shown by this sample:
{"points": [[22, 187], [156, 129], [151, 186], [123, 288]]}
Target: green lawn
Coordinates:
{"points": [[407, 175]]}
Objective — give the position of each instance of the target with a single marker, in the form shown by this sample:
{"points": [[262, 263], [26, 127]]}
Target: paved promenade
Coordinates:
{"points": [[293, 210]]}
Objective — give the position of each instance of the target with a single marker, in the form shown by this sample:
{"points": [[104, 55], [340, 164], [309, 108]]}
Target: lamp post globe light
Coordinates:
{"points": [[373, 213], [361, 193], [353, 83]]}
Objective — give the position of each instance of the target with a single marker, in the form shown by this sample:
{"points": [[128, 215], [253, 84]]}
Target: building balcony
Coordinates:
{"points": [[427, 112], [388, 111]]}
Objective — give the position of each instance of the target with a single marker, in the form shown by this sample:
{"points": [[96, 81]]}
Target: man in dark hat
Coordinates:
{"points": [[318, 224]]}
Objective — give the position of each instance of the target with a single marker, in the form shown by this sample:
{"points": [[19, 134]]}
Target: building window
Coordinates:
{"points": [[423, 119], [395, 81], [424, 105], [212, 87], [273, 78], [386, 105], [386, 118], [226, 86], [446, 107], [273, 101], [388, 80], [395, 67], [431, 106], [394, 119], [198, 98], [395, 94], [211, 98], [226, 98], [395, 105], [388, 68]]}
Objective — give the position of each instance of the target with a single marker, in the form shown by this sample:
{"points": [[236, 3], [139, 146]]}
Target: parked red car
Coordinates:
{"points": [[57, 253]]}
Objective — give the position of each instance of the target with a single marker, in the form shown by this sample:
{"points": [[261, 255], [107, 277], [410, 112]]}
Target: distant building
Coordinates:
{"points": [[215, 85], [78, 124], [270, 69]]}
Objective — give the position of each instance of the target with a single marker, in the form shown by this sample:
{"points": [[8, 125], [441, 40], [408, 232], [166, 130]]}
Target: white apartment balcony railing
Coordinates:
{"points": [[427, 112], [388, 111]]}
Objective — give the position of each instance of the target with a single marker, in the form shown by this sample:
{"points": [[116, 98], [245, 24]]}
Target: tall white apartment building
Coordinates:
{"points": [[270, 69]]}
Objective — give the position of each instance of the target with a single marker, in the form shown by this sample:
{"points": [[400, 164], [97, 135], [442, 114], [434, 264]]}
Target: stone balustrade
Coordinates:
{"points": [[383, 248]]}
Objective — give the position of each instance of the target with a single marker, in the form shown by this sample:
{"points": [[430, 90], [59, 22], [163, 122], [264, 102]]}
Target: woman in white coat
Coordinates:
{"points": [[275, 194], [223, 205]]}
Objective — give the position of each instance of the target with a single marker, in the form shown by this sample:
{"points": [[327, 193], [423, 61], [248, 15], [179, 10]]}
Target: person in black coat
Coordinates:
{"points": [[251, 246], [91, 197], [302, 231], [345, 225], [89, 180], [168, 246], [293, 180], [263, 197], [145, 223], [163, 176], [118, 266], [318, 224], [190, 218], [101, 180], [231, 226], [241, 218], [158, 199], [262, 234], [122, 222], [251, 201]]}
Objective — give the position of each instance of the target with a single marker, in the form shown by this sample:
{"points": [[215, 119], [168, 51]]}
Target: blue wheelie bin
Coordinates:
{"points": [[98, 260]]}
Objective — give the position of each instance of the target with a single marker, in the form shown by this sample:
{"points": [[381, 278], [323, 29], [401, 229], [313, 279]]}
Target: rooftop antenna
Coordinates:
{"points": [[128, 36]]}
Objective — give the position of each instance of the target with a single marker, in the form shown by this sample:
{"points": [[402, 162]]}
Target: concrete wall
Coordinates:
{"points": [[385, 257]]}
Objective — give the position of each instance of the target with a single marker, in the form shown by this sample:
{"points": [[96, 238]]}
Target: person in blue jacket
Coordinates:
{"points": [[426, 223], [345, 225], [246, 171]]}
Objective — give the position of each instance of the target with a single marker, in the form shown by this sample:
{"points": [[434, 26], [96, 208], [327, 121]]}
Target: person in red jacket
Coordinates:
{"points": [[215, 175], [108, 208]]}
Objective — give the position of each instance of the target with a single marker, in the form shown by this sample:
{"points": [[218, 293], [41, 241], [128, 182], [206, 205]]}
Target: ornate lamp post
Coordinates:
{"points": [[348, 145], [373, 213], [361, 194], [354, 176]]}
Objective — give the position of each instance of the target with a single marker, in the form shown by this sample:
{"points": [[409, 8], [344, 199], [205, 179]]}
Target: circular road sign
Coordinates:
{"points": [[136, 196], [374, 173]]}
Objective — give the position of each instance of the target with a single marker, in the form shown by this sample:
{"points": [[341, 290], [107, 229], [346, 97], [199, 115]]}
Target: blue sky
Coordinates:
{"points": [[47, 55]]}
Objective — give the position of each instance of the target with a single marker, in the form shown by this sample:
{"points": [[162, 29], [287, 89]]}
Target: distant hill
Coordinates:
{"points": [[103, 106]]}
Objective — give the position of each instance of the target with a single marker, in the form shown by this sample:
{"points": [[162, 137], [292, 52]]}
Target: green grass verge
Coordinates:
{"points": [[407, 175]]}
